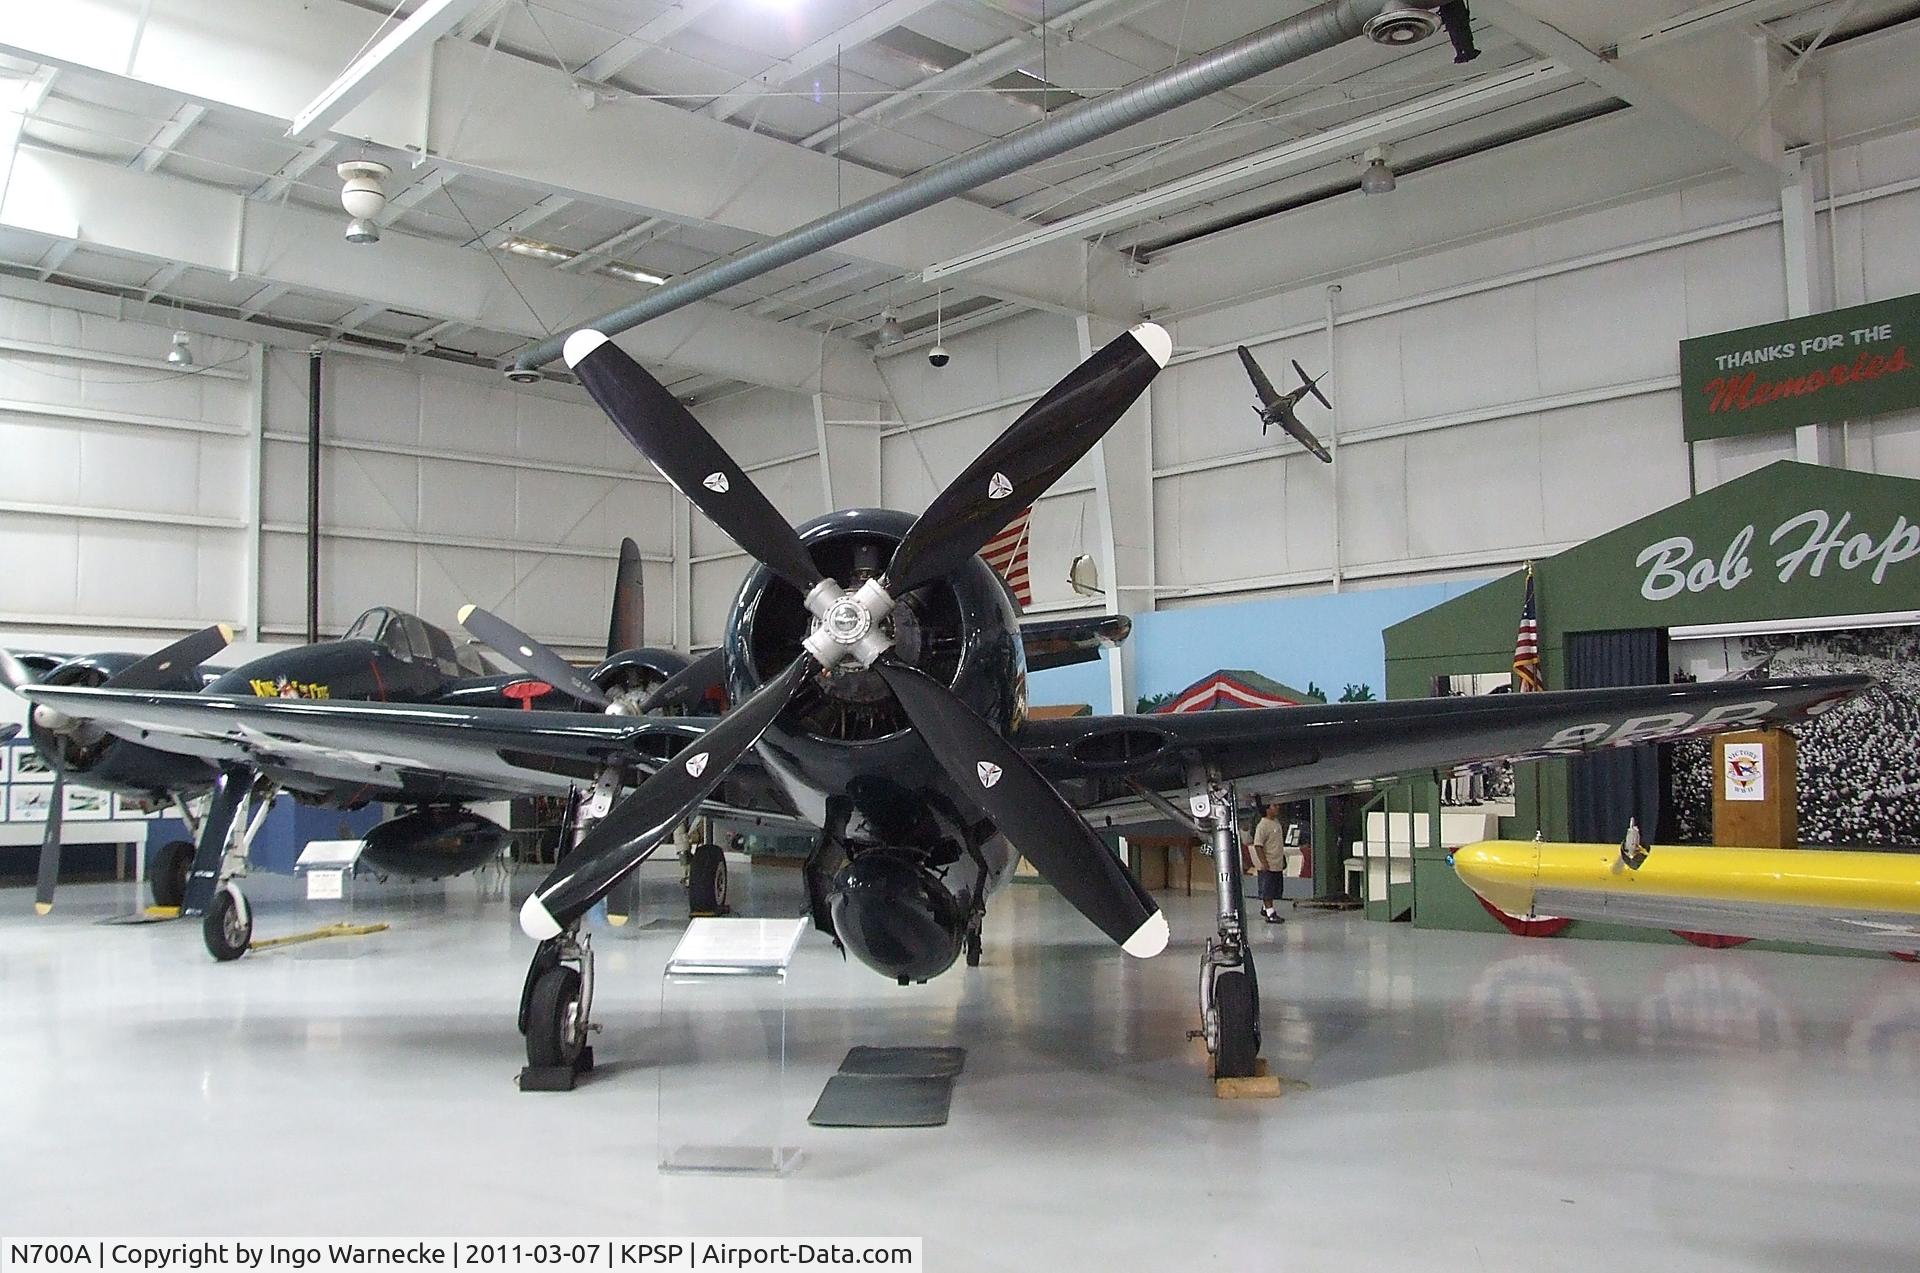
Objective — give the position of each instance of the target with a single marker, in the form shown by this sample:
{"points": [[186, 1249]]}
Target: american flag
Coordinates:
{"points": [[1526, 644], [1007, 553]]}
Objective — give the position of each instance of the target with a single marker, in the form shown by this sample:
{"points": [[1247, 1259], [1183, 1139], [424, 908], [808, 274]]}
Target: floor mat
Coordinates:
{"points": [[909, 1062], [883, 1100]]}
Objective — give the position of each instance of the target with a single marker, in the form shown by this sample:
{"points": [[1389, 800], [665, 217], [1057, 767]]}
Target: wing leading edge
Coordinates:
{"points": [[1298, 751]]}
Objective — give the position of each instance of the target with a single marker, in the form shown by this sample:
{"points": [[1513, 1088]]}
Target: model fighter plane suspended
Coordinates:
{"points": [[1275, 407], [878, 677]]}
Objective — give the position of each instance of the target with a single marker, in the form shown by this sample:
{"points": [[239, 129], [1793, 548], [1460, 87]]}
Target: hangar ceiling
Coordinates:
{"points": [[550, 155]]}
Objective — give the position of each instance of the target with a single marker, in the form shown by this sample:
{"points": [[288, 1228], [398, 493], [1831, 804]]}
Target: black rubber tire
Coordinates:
{"points": [[167, 873], [707, 880], [973, 950], [227, 933], [1239, 1043], [553, 1038]]}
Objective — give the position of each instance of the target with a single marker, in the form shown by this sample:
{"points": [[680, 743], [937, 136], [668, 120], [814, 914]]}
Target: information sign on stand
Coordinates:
{"points": [[723, 1099]]}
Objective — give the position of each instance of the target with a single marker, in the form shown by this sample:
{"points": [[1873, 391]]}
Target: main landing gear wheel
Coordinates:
{"points": [[1239, 1044], [707, 881], [228, 925], [170, 868], [556, 1023]]}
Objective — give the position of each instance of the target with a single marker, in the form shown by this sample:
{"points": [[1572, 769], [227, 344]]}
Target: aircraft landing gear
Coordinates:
{"points": [[1229, 985], [241, 802], [707, 881], [556, 1006]]}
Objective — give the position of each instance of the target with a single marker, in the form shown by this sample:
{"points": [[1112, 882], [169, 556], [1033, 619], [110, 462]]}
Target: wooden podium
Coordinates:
{"points": [[1755, 789]]}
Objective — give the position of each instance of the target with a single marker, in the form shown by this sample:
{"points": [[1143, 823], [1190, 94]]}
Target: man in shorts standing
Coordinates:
{"points": [[1270, 856]]}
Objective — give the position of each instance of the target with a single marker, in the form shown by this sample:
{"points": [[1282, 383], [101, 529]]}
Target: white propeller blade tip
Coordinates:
{"points": [[1149, 939], [226, 632], [43, 908], [580, 344], [536, 922], [1152, 337], [465, 610]]}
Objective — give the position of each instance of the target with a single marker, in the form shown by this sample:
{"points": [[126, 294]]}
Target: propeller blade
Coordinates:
{"points": [[1029, 812], [625, 630], [633, 828], [685, 688], [172, 666], [531, 657], [49, 875], [1046, 441], [1313, 386], [7, 731], [13, 673], [686, 455]]}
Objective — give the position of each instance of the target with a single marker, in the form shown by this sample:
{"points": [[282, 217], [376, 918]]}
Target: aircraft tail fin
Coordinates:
{"points": [[1312, 386]]}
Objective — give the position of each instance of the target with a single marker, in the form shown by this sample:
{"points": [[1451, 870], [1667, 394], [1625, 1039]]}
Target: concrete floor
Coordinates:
{"points": [[1475, 1102]]}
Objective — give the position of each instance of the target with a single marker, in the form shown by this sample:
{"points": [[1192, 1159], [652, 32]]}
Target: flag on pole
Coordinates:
{"points": [[1007, 554], [1526, 644]]}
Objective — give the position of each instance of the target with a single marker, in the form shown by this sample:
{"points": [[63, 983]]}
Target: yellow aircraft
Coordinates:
{"points": [[1825, 897]]}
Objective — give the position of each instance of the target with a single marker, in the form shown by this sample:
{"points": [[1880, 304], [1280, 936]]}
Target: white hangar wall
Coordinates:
{"points": [[134, 496], [124, 501], [1506, 398], [442, 486]]}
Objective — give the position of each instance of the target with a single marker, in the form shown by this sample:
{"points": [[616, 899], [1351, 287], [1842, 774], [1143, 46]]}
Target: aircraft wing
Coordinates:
{"points": [[1320, 749], [502, 749], [1261, 385], [1064, 642], [1304, 436]]}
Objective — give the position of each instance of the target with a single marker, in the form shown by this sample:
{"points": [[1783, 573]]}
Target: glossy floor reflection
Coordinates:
{"points": [[1476, 1102]]}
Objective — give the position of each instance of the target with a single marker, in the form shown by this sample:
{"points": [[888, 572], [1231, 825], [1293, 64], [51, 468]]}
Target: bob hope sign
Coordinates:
{"points": [[1840, 365]]}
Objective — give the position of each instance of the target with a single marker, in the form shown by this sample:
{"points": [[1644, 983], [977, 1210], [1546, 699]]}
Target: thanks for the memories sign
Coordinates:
{"points": [[1840, 365]]}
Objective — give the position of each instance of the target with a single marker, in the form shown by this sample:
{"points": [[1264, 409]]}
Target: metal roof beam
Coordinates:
{"points": [[171, 134], [1705, 111], [433, 19], [635, 45], [162, 218], [822, 52]]}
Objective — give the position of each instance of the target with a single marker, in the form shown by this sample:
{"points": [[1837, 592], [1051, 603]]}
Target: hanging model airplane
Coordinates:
{"points": [[1275, 407], [878, 677]]}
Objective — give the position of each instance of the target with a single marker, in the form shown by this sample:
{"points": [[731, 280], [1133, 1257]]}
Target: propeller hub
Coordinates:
{"points": [[847, 624]]}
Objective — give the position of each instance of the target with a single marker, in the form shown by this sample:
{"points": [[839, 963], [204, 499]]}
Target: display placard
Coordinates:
{"points": [[1840, 365], [1745, 771], [29, 803]]}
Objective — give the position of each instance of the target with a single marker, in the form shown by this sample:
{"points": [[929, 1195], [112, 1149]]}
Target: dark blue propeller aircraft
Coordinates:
{"points": [[876, 667]]}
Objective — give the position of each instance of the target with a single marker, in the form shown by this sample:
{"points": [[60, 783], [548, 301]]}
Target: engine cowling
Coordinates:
{"points": [[433, 843], [895, 916], [91, 757]]}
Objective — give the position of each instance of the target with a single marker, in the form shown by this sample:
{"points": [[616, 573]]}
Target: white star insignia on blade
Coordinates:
{"points": [[716, 482], [988, 771], [998, 487], [697, 765]]}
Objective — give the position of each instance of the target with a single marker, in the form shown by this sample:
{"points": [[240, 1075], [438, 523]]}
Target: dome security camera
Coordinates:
{"points": [[939, 356]]}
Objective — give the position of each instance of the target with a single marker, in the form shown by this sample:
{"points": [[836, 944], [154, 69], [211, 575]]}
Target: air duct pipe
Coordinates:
{"points": [[1322, 27]]}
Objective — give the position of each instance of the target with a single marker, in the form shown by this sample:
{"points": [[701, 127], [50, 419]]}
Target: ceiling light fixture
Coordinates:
{"points": [[1378, 177], [180, 354], [632, 273], [891, 332], [363, 193], [538, 250]]}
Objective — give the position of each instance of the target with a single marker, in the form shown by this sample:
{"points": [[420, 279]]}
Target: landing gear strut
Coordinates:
{"points": [[1229, 985], [241, 803]]}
